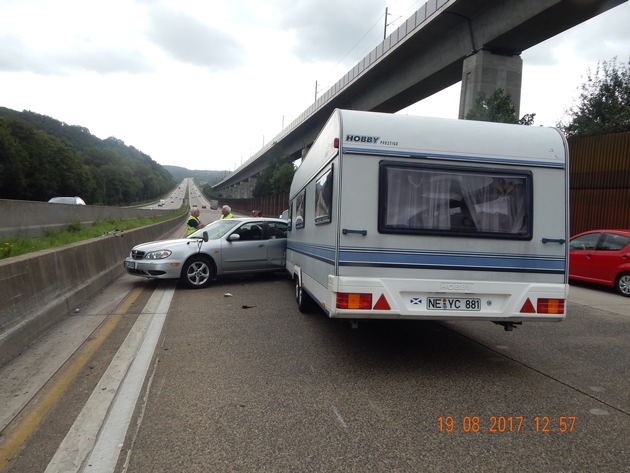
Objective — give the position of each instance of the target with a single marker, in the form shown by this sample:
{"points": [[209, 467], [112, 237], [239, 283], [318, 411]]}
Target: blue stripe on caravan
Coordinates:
{"points": [[397, 258], [324, 253]]}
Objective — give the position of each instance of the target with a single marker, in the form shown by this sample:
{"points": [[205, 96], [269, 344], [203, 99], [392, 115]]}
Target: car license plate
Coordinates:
{"points": [[130, 264], [453, 303]]}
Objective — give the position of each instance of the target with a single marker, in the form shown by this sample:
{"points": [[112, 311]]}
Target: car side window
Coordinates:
{"points": [[277, 230], [612, 242], [250, 231], [585, 242]]}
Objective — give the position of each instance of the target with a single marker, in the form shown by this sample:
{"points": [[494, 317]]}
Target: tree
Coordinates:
{"points": [[497, 108], [604, 102], [275, 179], [41, 157], [282, 178]]}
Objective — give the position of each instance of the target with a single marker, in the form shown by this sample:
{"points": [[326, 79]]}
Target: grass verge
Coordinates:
{"points": [[15, 246]]}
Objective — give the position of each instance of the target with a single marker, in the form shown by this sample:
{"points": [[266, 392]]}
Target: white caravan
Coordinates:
{"points": [[407, 217]]}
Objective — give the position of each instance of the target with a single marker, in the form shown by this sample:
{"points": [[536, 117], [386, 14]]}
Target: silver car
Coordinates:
{"points": [[229, 246]]}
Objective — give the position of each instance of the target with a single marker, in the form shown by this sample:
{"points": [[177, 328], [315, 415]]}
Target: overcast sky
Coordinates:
{"points": [[204, 84]]}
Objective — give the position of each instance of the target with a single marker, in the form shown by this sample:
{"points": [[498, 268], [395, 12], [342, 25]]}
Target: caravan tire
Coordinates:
{"points": [[304, 301]]}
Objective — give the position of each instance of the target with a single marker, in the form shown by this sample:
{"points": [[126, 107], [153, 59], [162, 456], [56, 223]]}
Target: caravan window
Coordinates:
{"points": [[455, 201], [300, 202], [323, 197]]}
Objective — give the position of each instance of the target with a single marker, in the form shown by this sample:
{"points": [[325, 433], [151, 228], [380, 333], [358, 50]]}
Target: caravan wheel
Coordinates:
{"points": [[304, 301]]}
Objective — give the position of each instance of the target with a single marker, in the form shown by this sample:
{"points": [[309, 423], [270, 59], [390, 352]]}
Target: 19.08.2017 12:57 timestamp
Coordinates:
{"points": [[506, 424]]}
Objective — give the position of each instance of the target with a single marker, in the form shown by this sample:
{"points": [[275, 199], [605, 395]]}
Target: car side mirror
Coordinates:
{"points": [[234, 237], [205, 236]]}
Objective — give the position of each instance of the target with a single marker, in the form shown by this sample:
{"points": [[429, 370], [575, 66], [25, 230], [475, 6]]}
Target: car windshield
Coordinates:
{"points": [[216, 229]]}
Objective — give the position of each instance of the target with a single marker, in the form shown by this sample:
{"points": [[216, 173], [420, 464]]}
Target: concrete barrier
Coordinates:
{"points": [[33, 219], [40, 289]]}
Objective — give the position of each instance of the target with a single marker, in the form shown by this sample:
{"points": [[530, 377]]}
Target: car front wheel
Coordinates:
{"points": [[197, 272], [623, 284]]}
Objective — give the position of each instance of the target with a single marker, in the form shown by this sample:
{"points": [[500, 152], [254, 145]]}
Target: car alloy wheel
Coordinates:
{"points": [[623, 284], [197, 272]]}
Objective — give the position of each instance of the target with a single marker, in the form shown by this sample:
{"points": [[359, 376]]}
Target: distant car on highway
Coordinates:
{"points": [[601, 257], [229, 246], [67, 200]]}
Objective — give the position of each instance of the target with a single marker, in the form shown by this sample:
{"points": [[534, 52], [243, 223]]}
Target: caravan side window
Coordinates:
{"points": [[300, 202], [323, 197], [455, 201]]}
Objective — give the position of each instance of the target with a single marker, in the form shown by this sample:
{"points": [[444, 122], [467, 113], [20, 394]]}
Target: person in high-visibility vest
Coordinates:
{"points": [[226, 212], [194, 223]]}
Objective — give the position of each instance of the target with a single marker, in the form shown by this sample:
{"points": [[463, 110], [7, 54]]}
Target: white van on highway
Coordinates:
{"points": [[405, 217]]}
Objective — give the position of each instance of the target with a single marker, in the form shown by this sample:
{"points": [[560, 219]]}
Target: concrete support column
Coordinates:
{"points": [[486, 72]]}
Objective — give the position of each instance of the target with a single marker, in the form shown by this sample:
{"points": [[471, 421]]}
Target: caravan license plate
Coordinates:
{"points": [[452, 303]]}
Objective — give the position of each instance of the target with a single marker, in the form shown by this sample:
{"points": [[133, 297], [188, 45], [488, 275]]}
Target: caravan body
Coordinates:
{"points": [[405, 217]]}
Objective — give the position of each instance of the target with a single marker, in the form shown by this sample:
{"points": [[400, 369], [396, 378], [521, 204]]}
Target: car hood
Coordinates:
{"points": [[167, 244]]}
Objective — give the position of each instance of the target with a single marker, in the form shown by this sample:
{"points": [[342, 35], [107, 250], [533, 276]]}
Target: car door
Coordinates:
{"points": [[277, 244], [248, 253], [611, 253], [581, 251]]}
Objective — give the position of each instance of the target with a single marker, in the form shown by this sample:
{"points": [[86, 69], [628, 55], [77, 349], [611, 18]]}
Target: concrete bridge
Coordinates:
{"points": [[477, 42]]}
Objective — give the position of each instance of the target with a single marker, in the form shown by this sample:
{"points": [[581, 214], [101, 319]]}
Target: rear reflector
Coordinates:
{"points": [[528, 307], [382, 304], [354, 301], [550, 306]]}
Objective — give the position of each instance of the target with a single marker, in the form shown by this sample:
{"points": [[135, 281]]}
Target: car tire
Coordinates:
{"points": [[304, 301], [622, 284], [197, 272]]}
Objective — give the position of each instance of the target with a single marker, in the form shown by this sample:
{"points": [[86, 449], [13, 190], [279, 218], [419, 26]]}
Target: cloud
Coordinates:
{"points": [[598, 39], [327, 30], [16, 56], [186, 39]]}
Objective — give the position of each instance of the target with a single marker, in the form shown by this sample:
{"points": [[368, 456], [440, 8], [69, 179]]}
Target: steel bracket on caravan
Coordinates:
{"points": [[509, 326]]}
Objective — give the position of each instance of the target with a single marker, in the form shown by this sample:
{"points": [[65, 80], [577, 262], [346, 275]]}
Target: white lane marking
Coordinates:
{"points": [[127, 372], [105, 454]]}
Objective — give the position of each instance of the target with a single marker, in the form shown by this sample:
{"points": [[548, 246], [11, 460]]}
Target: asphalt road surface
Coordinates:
{"points": [[151, 377]]}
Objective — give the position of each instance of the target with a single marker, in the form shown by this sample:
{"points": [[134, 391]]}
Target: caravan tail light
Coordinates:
{"points": [[347, 300], [550, 306]]}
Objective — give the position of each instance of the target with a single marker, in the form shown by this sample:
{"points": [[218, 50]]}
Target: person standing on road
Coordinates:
{"points": [[194, 223], [226, 212]]}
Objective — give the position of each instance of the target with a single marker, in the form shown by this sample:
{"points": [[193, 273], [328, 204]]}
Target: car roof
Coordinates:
{"points": [[66, 200], [258, 219], [598, 230]]}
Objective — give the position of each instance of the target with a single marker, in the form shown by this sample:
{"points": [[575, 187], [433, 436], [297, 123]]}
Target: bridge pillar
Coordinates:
{"points": [[485, 72]]}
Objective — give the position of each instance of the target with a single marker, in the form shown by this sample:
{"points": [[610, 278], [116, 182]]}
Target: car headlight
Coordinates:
{"points": [[160, 254]]}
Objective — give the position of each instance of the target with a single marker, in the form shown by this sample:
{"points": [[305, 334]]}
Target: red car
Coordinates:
{"points": [[256, 213], [602, 257]]}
